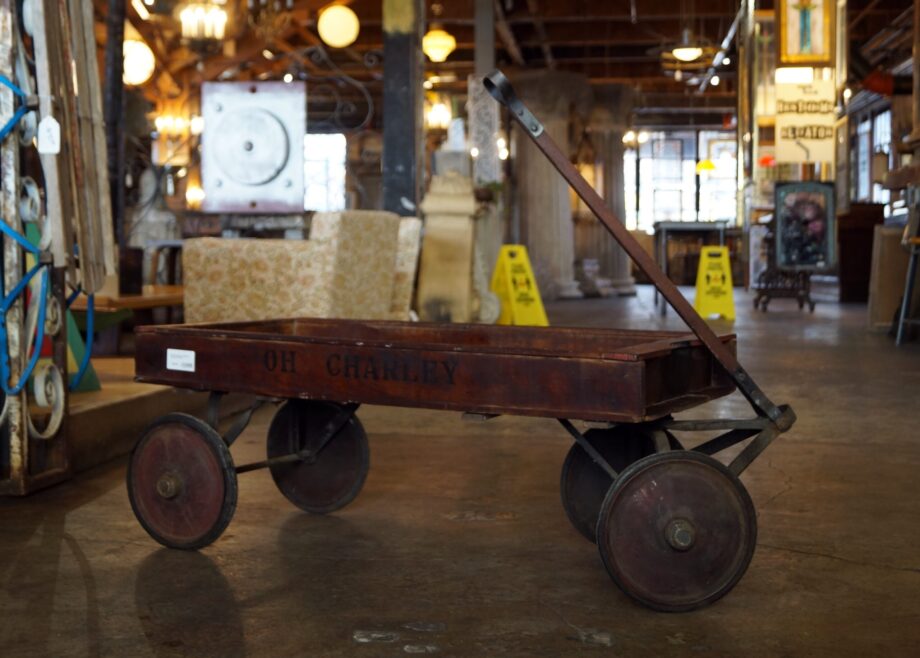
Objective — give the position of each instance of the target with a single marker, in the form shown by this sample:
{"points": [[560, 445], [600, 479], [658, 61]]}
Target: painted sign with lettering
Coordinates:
{"points": [[805, 117]]}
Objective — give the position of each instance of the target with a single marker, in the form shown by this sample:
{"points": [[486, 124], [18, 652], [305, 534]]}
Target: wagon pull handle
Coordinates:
{"points": [[501, 90]]}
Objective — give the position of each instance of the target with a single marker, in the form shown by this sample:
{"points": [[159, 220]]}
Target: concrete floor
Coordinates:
{"points": [[459, 545]]}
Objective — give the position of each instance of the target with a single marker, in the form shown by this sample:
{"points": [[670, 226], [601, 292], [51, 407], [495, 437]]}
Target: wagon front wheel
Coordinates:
{"points": [[677, 531], [182, 482], [334, 475]]}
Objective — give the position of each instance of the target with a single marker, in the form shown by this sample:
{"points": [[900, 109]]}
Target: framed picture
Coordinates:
{"points": [[806, 32], [806, 234]]}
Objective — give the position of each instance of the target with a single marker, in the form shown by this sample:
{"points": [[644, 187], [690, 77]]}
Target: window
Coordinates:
{"points": [[718, 186], [667, 179], [863, 159], [630, 188], [324, 172], [881, 148], [666, 189]]}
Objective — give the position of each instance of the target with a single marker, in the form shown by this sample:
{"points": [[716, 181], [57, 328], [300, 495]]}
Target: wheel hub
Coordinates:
{"points": [[680, 534], [169, 485]]}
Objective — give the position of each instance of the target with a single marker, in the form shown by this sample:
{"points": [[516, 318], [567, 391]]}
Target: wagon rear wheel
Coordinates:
{"points": [[584, 483], [181, 482], [334, 476], [677, 531]]}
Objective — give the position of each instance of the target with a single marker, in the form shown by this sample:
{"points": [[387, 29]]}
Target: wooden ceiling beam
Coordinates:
{"points": [[538, 26], [581, 11], [248, 51], [462, 12], [612, 34], [506, 35], [159, 49]]}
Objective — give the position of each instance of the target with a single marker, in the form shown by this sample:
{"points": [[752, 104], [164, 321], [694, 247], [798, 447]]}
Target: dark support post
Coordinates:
{"points": [[403, 21], [484, 37], [114, 91]]}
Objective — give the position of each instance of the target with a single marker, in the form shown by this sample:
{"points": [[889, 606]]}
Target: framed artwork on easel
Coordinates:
{"points": [[806, 32], [805, 232]]}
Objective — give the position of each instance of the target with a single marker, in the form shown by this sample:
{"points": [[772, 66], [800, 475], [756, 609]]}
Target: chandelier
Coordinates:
{"points": [[203, 21], [269, 18]]}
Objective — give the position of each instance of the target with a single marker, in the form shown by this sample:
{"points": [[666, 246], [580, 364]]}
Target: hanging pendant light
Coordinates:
{"points": [[139, 62], [687, 50], [438, 44], [705, 165], [338, 26]]}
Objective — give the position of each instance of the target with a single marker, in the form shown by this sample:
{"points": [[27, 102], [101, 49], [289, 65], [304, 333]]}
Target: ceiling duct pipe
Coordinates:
{"points": [[723, 50]]}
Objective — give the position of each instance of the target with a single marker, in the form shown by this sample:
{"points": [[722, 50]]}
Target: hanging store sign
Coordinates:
{"points": [[805, 116]]}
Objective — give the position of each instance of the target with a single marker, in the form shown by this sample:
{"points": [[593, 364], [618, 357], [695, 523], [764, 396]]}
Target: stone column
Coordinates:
{"points": [[543, 195], [483, 129], [609, 122], [446, 278]]}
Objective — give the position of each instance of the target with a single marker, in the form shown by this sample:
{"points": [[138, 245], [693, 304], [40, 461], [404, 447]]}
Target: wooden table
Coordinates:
{"points": [[663, 230], [154, 296]]}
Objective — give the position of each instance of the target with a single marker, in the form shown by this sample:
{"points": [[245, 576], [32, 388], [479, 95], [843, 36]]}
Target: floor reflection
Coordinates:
{"points": [[187, 607]]}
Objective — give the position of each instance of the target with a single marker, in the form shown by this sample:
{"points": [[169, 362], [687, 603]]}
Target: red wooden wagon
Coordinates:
{"points": [[675, 528]]}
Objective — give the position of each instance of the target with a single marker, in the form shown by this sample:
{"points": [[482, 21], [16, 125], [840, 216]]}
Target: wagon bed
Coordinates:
{"points": [[588, 374]]}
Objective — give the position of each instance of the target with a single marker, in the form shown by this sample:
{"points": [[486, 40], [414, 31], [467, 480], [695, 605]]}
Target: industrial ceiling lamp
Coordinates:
{"points": [[438, 44], [687, 50], [338, 26], [139, 62]]}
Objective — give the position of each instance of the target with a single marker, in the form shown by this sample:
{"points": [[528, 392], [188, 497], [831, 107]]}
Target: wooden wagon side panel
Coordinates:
{"points": [[684, 378], [589, 389]]}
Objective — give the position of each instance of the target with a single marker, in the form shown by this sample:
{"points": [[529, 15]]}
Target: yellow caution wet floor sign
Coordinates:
{"points": [[516, 287], [714, 293]]}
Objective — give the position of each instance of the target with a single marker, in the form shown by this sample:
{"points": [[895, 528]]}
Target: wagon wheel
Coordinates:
{"points": [[677, 531], [584, 483], [333, 477], [181, 482]]}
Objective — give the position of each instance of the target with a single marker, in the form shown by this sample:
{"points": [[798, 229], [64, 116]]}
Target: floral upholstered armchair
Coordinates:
{"points": [[355, 265]]}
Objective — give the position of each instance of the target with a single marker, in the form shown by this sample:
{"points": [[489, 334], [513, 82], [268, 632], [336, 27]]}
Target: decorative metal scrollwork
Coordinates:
{"points": [[343, 112]]}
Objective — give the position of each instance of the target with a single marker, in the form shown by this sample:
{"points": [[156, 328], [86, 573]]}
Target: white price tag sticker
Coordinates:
{"points": [[49, 136], [183, 360]]}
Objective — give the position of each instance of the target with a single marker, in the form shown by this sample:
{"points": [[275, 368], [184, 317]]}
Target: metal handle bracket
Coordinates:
{"points": [[501, 90]]}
